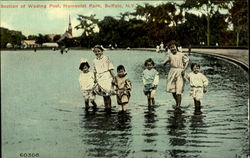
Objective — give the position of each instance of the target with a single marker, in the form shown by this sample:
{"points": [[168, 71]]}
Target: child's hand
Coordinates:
{"points": [[113, 81], [183, 73], [154, 86], [205, 89]]}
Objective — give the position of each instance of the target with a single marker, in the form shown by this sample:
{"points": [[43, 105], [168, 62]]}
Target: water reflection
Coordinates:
{"points": [[106, 135], [149, 126], [176, 130], [197, 125]]}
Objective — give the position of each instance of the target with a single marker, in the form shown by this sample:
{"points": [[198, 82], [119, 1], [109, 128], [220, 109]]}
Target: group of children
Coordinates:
{"points": [[104, 83]]}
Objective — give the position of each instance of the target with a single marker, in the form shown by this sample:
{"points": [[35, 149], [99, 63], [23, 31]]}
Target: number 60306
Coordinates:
{"points": [[29, 154]]}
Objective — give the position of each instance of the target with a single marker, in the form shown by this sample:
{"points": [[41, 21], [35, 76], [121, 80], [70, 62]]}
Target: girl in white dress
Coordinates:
{"points": [[86, 81], [178, 64], [103, 76]]}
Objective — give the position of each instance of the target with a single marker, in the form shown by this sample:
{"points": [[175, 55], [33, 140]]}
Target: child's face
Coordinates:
{"points": [[149, 66], [173, 49], [196, 69], [85, 68], [98, 52], [121, 73]]}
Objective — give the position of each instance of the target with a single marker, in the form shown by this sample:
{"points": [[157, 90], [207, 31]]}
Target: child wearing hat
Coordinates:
{"points": [[86, 80], [103, 75]]}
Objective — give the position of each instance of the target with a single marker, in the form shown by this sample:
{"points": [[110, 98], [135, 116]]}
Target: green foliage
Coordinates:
{"points": [[87, 24], [148, 26], [238, 16], [10, 36]]}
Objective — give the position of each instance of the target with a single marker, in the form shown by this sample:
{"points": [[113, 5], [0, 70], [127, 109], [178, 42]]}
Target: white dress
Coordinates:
{"points": [[86, 81], [104, 79], [197, 83], [150, 78], [175, 81]]}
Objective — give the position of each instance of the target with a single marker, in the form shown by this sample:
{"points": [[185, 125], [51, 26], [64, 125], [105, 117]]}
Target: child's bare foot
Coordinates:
{"points": [[87, 109], [94, 108], [108, 110]]}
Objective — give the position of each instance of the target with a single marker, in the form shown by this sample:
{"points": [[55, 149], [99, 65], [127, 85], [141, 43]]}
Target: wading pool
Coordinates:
{"points": [[42, 114]]}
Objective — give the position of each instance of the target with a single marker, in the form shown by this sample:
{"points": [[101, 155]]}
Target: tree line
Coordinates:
{"points": [[212, 23]]}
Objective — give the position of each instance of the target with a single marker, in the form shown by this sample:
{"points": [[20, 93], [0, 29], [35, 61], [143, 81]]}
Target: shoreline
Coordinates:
{"points": [[236, 55]]}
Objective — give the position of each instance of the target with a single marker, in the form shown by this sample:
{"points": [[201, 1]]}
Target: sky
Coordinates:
{"points": [[53, 20]]}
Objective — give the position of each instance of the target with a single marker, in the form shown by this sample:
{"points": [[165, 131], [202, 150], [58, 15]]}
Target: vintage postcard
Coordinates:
{"points": [[124, 79]]}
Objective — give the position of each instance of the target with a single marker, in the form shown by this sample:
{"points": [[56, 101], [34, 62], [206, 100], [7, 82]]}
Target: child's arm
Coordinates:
{"points": [[185, 61], [166, 61], [111, 73], [128, 85], [205, 83], [110, 67], [186, 76], [80, 83], [156, 81], [143, 80], [95, 81]]}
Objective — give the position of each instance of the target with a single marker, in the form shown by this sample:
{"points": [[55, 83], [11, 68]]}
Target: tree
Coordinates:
{"points": [[207, 8], [56, 38], [42, 39], [87, 24], [10, 36], [238, 17]]}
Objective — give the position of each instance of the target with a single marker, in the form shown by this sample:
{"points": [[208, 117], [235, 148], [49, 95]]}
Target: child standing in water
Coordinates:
{"points": [[103, 76], [198, 85], [150, 78], [123, 87], [86, 80], [178, 64]]}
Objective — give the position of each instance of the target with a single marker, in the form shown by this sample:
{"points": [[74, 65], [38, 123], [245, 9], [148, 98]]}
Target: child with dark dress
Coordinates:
{"points": [[122, 86]]}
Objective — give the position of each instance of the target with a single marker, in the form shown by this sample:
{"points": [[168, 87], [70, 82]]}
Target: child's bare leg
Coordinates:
{"points": [[86, 105], [94, 105], [123, 107], [197, 104], [175, 97], [107, 103], [149, 100], [178, 100], [104, 101], [153, 101]]}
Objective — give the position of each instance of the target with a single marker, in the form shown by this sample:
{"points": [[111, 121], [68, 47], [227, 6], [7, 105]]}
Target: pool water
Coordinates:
{"points": [[42, 111]]}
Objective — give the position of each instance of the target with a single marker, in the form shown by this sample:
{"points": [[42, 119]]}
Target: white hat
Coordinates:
{"points": [[84, 60]]}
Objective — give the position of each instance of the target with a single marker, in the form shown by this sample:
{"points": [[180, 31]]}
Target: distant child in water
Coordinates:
{"points": [[123, 87], [198, 85], [86, 80], [150, 78]]}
